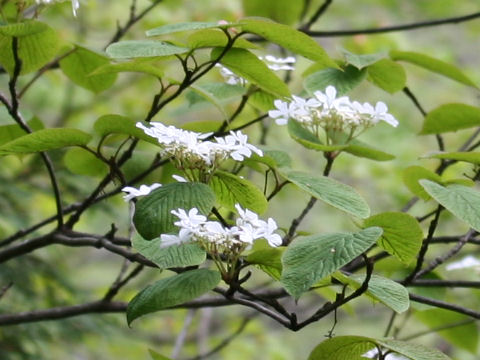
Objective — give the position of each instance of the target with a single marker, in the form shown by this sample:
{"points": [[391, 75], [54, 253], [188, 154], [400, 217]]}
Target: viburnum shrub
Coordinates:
{"points": [[198, 184]]}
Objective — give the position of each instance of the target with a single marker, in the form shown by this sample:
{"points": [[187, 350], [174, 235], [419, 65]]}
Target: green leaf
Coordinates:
{"points": [[118, 124], [402, 235], [37, 44], [413, 174], [157, 356], [344, 81], [308, 139], [153, 212], [82, 162], [388, 292], [342, 348], [310, 259], [461, 201], [332, 192], [44, 140], [351, 347], [220, 91], [464, 336], [11, 132], [79, 65], [387, 75], [215, 38], [210, 98], [360, 149], [143, 48], [262, 100], [245, 64], [269, 260], [361, 61], [186, 254], [433, 65], [137, 66], [171, 291], [451, 117], [185, 26], [470, 157], [283, 11], [231, 189], [271, 157], [289, 38]]}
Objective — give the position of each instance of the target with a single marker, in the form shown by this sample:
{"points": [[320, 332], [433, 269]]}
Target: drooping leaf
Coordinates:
{"points": [[461, 201], [130, 49], [362, 60], [413, 174], [157, 356], [186, 254], [402, 235], [11, 132], [82, 162], [433, 65], [118, 124], [360, 149], [153, 212], [136, 65], [44, 140], [269, 260], [289, 38], [246, 65], [37, 44], [310, 259], [470, 157], [215, 38], [334, 193], [231, 189], [171, 291], [283, 11], [344, 81], [451, 117], [387, 75], [185, 26]]}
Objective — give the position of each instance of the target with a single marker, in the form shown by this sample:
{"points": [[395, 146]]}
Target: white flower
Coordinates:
{"points": [[467, 262], [179, 178], [190, 221], [132, 192], [282, 112], [230, 77], [277, 64], [75, 4]]}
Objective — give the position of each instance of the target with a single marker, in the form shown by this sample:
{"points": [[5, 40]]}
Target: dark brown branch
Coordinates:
{"points": [[320, 11], [445, 305], [403, 27], [445, 283]]}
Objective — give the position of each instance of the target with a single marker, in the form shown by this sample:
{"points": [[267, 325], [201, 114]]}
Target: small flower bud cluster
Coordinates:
{"points": [[190, 150], [75, 4], [333, 115], [195, 227]]}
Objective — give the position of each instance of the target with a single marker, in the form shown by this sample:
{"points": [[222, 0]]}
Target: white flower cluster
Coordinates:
{"points": [[330, 113], [132, 192], [75, 4], [195, 227], [190, 150], [273, 63]]}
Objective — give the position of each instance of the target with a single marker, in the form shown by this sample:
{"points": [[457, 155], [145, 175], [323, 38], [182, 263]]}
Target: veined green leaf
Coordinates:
{"points": [[451, 117], [433, 65], [231, 189], [210, 98], [215, 38], [130, 49], [171, 291], [344, 81], [13, 131], [387, 75], [82, 162], [29, 27], [118, 124], [186, 254], [362, 60], [245, 64], [44, 140], [413, 174], [220, 91], [269, 260], [153, 212], [186, 26], [310, 259], [332, 192], [461, 201], [79, 65], [402, 235], [289, 38]]}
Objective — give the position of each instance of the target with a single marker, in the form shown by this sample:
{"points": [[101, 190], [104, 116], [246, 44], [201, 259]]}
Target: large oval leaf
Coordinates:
{"points": [[451, 117], [44, 140], [153, 212], [343, 80], [332, 192], [143, 48], [231, 189], [245, 64], [289, 38], [174, 290], [402, 235], [461, 201], [310, 259], [181, 255], [387, 75], [118, 124], [411, 176], [360, 149], [83, 162]]}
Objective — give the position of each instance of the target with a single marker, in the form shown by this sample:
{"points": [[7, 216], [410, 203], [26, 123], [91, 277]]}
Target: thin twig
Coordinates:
{"points": [[445, 305], [320, 11]]}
